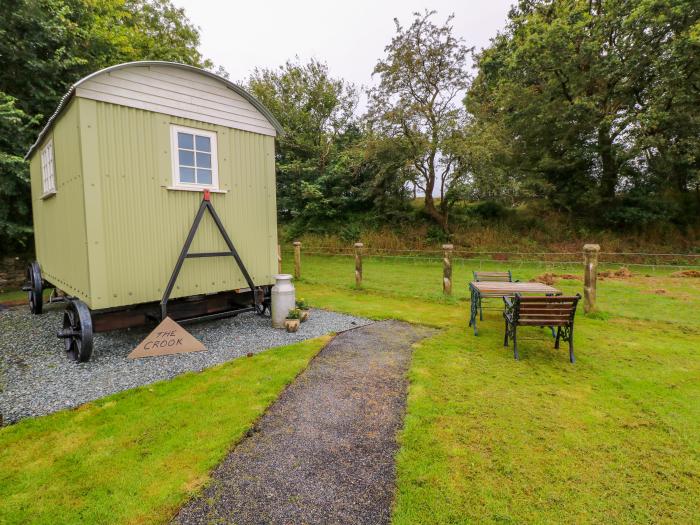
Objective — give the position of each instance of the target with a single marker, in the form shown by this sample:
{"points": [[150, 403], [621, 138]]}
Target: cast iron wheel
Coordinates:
{"points": [[34, 288], [77, 331]]}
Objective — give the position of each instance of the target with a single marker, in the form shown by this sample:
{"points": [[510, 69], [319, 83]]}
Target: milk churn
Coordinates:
{"points": [[283, 299]]}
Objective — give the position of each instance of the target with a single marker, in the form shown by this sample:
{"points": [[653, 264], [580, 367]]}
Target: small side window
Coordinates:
{"points": [[48, 173], [194, 158]]}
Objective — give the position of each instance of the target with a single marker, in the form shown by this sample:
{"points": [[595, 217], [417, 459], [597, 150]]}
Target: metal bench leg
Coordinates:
{"points": [[558, 336], [481, 310], [515, 343], [473, 307], [571, 345]]}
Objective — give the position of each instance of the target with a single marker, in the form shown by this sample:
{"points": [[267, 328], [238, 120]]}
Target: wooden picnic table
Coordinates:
{"points": [[482, 289]]}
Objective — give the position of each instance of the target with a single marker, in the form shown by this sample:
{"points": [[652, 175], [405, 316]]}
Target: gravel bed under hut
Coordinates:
{"points": [[37, 378]]}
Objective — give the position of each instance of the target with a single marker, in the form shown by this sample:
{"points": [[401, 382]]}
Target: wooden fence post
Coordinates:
{"points": [[590, 274], [279, 259], [297, 259], [447, 269], [358, 264]]}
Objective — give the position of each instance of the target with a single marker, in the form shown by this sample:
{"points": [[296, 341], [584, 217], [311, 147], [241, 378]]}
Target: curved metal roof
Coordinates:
{"points": [[233, 87]]}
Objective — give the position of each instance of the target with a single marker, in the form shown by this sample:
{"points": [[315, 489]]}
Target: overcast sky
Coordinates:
{"points": [[348, 36]]}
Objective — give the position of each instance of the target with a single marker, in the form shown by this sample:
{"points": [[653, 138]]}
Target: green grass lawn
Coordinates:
{"points": [[15, 295], [613, 438], [136, 456], [18, 296]]}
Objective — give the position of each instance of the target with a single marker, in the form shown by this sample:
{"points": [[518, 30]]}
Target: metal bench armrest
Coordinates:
{"points": [[509, 310]]}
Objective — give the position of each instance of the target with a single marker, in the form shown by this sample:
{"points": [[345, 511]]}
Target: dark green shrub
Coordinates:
{"points": [[351, 232], [436, 235], [490, 210]]}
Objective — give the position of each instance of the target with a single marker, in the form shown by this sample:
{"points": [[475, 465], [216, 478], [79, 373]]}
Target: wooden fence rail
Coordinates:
{"points": [[459, 255], [590, 258]]}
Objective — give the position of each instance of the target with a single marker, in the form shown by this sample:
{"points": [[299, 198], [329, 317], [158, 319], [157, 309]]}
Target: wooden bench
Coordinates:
{"points": [[549, 311], [492, 277], [503, 277]]}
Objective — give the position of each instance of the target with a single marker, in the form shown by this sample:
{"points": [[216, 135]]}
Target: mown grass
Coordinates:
{"points": [[18, 296], [487, 439], [14, 295], [136, 456], [613, 438]]}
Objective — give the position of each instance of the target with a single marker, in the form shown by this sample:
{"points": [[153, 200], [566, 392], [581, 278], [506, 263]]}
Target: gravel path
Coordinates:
{"points": [[324, 452], [37, 378]]}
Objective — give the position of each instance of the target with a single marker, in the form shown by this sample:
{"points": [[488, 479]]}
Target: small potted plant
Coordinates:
{"points": [[303, 308], [291, 323]]}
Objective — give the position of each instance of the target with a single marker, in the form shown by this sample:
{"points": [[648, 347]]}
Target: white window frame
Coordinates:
{"points": [[48, 170], [193, 186]]}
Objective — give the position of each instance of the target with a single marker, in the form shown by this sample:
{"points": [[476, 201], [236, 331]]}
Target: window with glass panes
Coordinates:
{"points": [[194, 159], [48, 174]]}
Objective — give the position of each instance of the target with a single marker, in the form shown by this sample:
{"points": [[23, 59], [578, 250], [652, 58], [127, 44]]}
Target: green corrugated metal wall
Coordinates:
{"points": [[59, 221], [136, 227], [112, 233]]}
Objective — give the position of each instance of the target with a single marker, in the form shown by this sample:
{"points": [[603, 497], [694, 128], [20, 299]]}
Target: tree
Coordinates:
{"points": [[416, 104], [317, 113], [669, 130], [584, 98], [46, 45], [14, 176]]}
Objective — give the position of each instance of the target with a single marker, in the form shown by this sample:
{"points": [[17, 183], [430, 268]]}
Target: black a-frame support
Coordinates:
{"points": [[185, 254]]}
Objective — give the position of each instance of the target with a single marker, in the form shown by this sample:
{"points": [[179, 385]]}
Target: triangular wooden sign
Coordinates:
{"points": [[167, 338]]}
